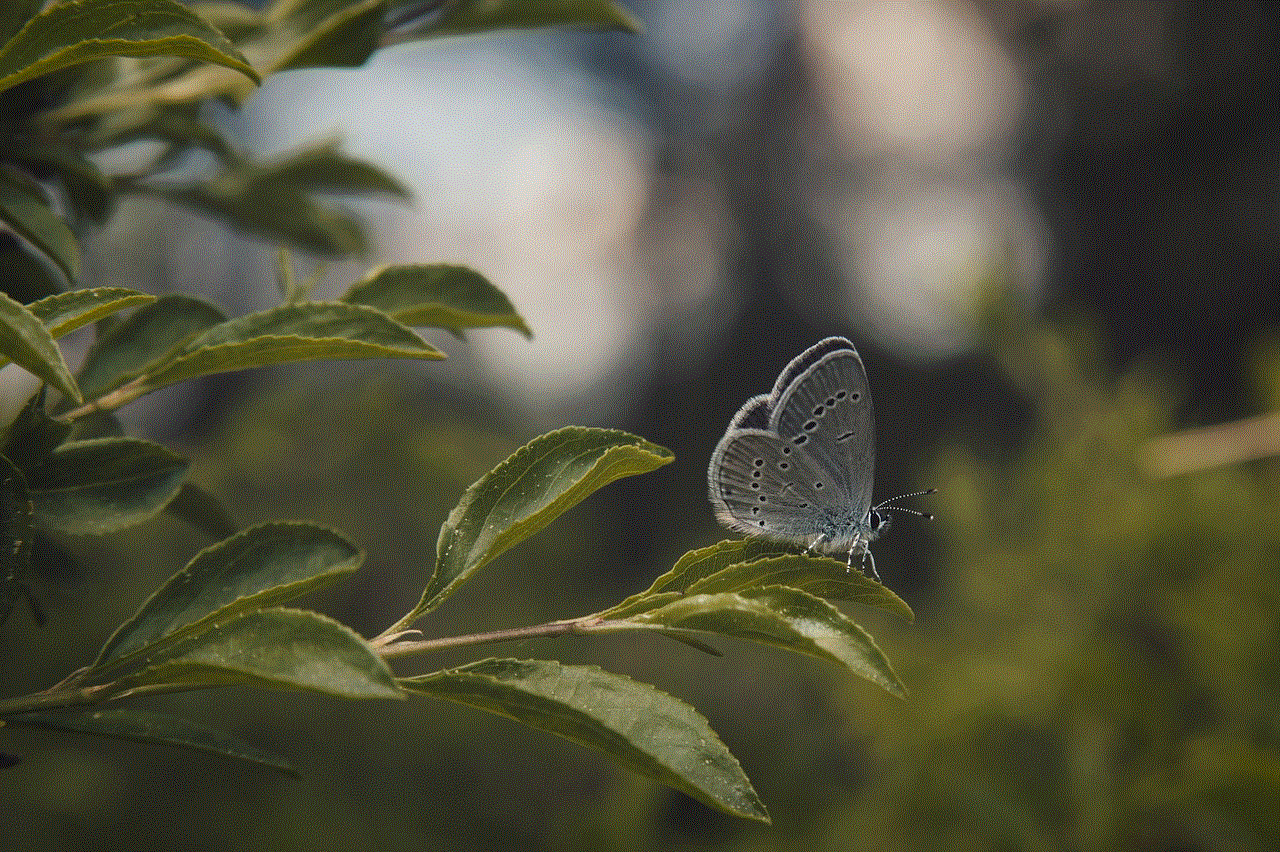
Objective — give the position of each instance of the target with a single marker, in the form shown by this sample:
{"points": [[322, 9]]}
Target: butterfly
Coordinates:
{"points": [[796, 464]]}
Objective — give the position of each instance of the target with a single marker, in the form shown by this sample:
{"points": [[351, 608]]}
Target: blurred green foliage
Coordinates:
{"points": [[1097, 667]]}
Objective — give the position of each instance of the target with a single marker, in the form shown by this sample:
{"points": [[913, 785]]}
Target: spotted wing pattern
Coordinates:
{"points": [[796, 464]]}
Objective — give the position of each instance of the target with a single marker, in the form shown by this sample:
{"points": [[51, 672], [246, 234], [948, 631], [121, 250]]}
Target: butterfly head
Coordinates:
{"points": [[877, 521]]}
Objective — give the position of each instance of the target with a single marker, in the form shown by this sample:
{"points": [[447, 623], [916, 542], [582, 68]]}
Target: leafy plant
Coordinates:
{"points": [[82, 76]]}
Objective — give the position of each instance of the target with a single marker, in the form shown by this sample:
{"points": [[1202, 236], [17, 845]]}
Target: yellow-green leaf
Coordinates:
{"points": [[143, 339], [26, 211], [734, 565], [63, 313], [26, 342], [653, 733], [103, 485], [283, 648], [76, 31], [307, 331], [466, 17], [523, 494], [785, 618], [262, 566], [147, 727], [438, 295]]}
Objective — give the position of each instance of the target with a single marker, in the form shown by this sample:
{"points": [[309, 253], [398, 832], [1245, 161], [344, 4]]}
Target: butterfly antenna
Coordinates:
{"points": [[886, 504], [928, 516]]}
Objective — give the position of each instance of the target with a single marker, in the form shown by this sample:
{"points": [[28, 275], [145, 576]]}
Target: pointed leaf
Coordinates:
{"points": [[284, 648], [649, 731], [104, 484], [537, 484], [26, 342], [262, 566], [26, 273], [88, 191], [308, 331], [331, 35], [97, 424], [465, 17], [144, 338], [818, 575], [14, 15], [785, 618], [69, 33], [275, 211], [437, 295], [33, 434], [734, 565], [203, 511], [143, 726], [63, 313], [26, 211], [323, 168], [292, 288]]}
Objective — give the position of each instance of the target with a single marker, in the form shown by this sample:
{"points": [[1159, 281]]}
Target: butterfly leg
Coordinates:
{"points": [[817, 541], [866, 556]]}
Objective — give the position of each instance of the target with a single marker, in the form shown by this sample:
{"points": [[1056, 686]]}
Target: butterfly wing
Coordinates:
{"points": [[761, 484], [821, 404], [796, 464]]}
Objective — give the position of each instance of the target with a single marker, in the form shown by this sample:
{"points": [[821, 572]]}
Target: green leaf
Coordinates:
{"points": [[203, 511], [262, 566], [651, 732], [437, 295], [305, 33], [464, 17], [97, 424], [14, 15], [328, 33], [292, 289], [178, 125], [308, 331], [63, 313], [785, 618], [26, 342], [288, 216], [26, 211], [284, 648], [323, 168], [70, 33], [16, 536], [103, 485], [143, 339], [26, 274], [275, 200], [89, 193], [734, 565], [33, 434], [342, 33], [523, 494], [147, 727]]}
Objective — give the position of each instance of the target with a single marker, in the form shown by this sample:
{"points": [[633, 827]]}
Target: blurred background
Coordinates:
{"points": [[1052, 229]]}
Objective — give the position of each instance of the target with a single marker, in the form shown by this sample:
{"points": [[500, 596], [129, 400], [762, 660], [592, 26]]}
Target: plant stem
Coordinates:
{"points": [[391, 650], [51, 700], [111, 400]]}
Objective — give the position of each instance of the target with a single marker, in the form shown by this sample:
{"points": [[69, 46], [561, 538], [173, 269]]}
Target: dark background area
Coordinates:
{"points": [[1095, 661]]}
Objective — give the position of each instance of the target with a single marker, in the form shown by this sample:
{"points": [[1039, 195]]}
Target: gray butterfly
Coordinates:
{"points": [[796, 464]]}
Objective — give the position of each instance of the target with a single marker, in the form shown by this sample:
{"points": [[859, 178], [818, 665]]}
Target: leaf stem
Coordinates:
{"points": [[126, 393], [388, 648], [51, 700]]}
